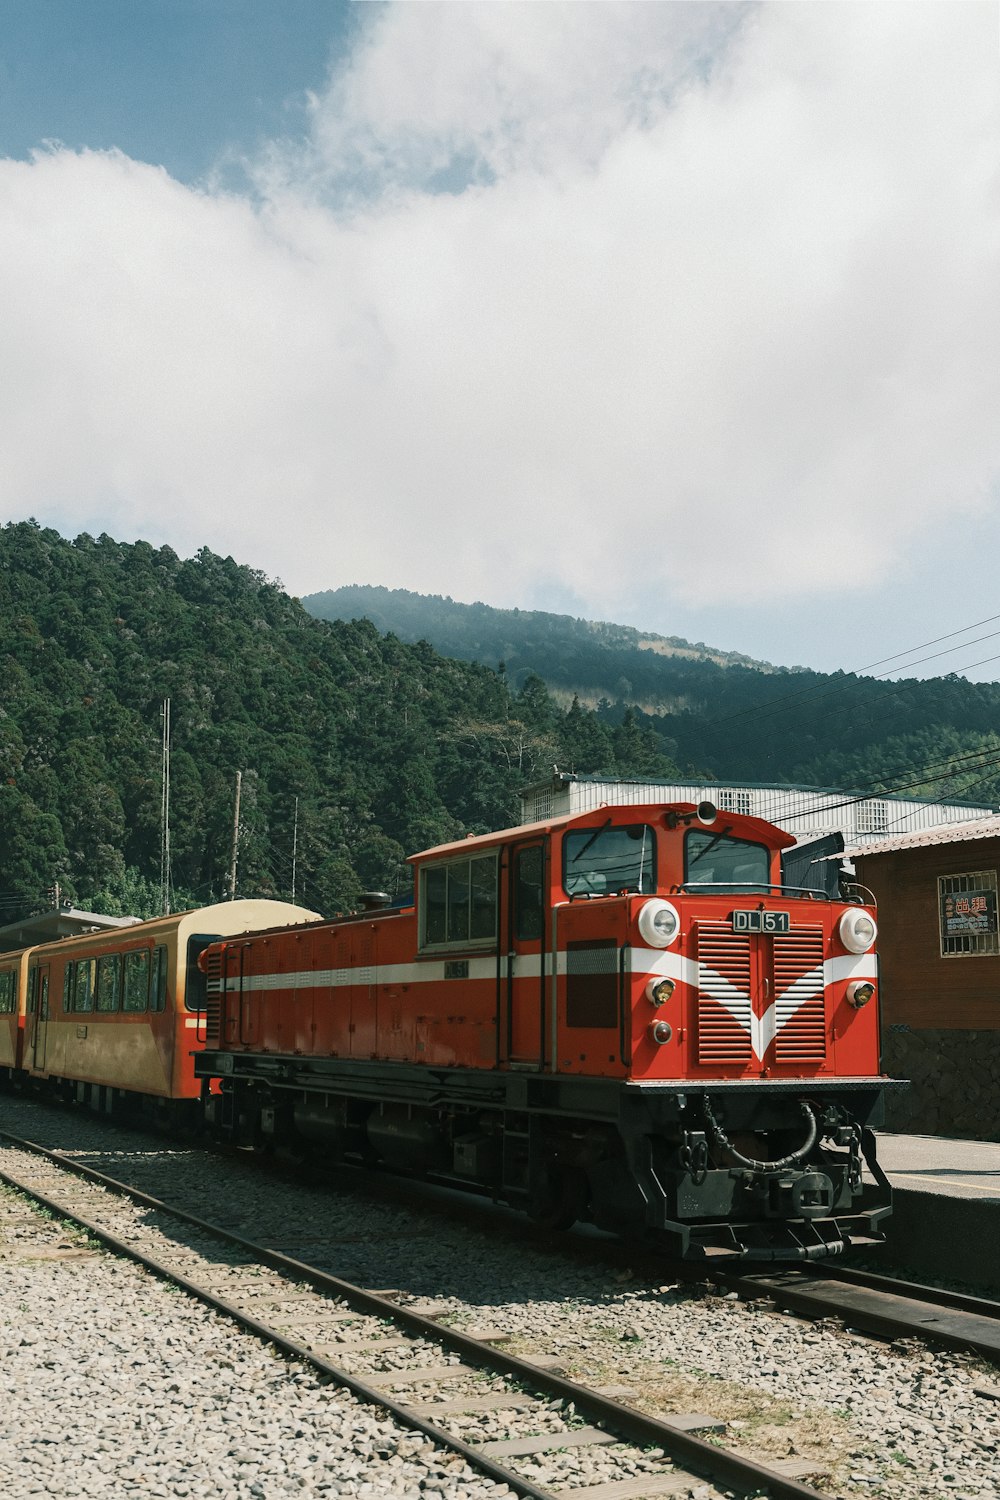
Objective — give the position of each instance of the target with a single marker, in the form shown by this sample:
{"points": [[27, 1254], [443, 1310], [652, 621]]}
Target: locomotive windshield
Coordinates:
{"points": [[603, 861], [716, 860]]}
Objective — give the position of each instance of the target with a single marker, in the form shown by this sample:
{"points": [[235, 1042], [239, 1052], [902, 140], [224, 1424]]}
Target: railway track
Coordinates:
{"points": [[880, 1305], [430, 1377]]}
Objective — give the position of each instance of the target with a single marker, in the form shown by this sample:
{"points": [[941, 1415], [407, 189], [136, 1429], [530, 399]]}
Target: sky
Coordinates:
{"points": [[685, 316]]}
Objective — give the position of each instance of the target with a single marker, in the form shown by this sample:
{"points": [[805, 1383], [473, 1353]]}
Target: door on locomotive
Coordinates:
{"points": [[525, 965], [604, 867]]}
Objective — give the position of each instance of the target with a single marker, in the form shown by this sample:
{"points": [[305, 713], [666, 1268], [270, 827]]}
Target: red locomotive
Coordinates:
{"points": [[622, 1016]]}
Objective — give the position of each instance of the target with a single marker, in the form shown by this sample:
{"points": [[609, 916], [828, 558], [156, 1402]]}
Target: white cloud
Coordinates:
{"points": [[712, 309]]}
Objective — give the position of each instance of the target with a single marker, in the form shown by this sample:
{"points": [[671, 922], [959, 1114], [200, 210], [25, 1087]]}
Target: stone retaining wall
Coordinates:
{"points": [[955, 1082]]}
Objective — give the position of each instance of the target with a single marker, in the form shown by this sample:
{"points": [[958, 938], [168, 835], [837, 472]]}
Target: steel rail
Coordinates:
{"points": [[718, 1465], [941, 1296], [877, 1305]]}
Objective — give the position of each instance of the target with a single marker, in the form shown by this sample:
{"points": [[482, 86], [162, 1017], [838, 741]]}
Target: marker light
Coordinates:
{"points": [[660, 1032], [659, 923], [860, 992], [857, 931], [658, 991]]}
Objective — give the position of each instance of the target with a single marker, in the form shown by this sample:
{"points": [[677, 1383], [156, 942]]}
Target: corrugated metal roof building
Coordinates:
{"points": [[807, 811]]}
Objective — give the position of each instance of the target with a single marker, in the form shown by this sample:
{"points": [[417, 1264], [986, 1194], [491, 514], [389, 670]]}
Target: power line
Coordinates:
{"points": [[784, 700], [923, 780]]}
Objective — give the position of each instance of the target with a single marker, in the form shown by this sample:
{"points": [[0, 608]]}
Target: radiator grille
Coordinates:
{"points": [[213, 999], [724, 1011], [800, 1004]]}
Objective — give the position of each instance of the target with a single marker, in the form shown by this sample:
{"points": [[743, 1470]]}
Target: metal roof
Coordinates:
{"points": [[61, 921], [941, 833], [561, 778]]}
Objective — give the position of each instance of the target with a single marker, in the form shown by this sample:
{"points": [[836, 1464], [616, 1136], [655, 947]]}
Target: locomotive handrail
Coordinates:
{"points": [[757, 888]]}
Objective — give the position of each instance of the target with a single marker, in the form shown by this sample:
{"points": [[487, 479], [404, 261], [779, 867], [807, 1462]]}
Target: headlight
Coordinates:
{"points": [[659, 991], [660, 1032], [860, 992], [659, 923], [857, 931]]}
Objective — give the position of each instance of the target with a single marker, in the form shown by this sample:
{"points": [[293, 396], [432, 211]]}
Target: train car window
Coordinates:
{"points": [[433, 905], [458, 903], [84, 984], [483, 900], [136, 987], [108, 982], [67, 1000], [196, 983], [528, 905], [603, 861], [715, 859], [8, 989], [158, 979]]}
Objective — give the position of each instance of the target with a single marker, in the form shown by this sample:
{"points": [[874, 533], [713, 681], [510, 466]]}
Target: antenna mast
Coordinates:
{"points": [[236, 837], [295, 846], [165, 811]]}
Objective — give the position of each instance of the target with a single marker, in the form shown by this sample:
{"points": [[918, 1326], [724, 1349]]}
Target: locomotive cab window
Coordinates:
{"points": [[715, 860], [607, 860], [458, 903]]}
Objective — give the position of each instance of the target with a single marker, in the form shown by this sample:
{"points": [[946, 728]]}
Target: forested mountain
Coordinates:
{"points": [[719, 714], [386, 748], [592, 658]]}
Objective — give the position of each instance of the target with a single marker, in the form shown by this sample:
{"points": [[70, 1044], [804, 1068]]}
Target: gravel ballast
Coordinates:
{"points": [[904, 1423], [118, 1385]]}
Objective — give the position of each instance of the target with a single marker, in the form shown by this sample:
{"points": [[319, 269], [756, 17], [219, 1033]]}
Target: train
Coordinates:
{"points": [[111, 1019], [626, 1017]]}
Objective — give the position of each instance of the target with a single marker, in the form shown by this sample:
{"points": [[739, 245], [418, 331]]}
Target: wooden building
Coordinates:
{"points": [[939, 947]]}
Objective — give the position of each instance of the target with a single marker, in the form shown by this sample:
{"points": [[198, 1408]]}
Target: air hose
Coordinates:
{"points": [[723, 1142]]}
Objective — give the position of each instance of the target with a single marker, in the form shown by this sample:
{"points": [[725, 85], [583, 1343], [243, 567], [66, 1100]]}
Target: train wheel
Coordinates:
{"points": [[560, 1198]]}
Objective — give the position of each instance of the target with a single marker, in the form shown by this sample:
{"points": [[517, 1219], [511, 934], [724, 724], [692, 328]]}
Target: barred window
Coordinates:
{"points": [[736, 800], [873, 816], [967, 914]]}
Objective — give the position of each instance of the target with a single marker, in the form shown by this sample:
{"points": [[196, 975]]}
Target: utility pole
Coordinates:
{"points": [[236, 837], [165, 812], [295, 846]]}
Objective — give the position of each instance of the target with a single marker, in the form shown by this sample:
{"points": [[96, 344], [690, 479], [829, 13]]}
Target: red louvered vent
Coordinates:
{"points": [[800, 999], [724, 1008], [213, 998]]}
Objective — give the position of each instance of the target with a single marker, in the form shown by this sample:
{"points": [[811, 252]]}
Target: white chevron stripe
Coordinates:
{"points": [[646, 961]]}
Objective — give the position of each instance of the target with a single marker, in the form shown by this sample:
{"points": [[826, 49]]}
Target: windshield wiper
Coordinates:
{"points": [[593, 839], [711, 844]]}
